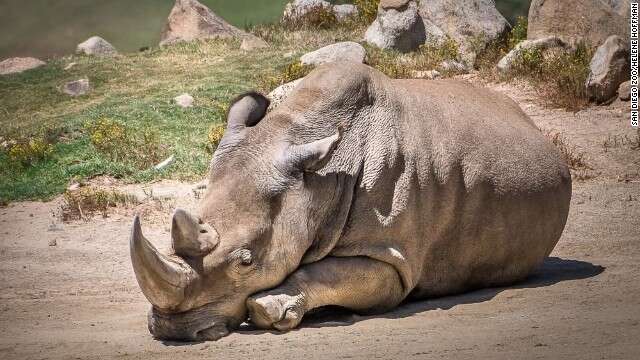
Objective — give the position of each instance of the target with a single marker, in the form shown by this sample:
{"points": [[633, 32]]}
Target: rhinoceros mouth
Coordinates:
{"points": [[193, 325]]}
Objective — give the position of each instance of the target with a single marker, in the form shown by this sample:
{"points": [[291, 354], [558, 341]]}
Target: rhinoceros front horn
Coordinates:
{"points": [[162, 279]]}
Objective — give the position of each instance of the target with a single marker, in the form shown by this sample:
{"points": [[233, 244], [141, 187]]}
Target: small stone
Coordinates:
{"points": [[393, 4], [70, 65], [252, 43], [19, 64], [73, 187], [77, 88], [399, 29], [96, 46], [429, 74], [184, 101], [506, 63], [624, 91], [53, 242], [342, 51], [345, 11], [453, 66]]}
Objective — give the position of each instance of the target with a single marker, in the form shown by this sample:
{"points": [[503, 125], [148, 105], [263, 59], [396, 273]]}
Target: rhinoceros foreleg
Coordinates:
{"points": [[357, 283]]}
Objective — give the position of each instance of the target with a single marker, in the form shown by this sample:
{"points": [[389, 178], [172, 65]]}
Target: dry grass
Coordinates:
{"points": [[575, 159], [84, 203]]}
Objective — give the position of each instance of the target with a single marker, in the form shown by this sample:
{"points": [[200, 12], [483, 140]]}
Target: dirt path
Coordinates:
{"points": [[79, 299]]}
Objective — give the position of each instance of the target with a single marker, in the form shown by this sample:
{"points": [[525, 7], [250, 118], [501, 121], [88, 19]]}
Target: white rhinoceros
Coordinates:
{"points": [[357, 191]]}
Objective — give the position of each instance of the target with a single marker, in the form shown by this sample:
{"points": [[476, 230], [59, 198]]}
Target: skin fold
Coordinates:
{"points": [[357, 191]]}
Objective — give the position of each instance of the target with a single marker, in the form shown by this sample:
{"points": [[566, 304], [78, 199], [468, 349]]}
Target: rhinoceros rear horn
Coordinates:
{"points": [[162, 279], [190, 236], [247, 110]]}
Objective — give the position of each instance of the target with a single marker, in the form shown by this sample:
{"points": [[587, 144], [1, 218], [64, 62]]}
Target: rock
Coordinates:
{"points": [[506, 63], [609, 68], [19, 64], [189, 20], [401, 29], [591, 21], [77, 88], [393, 4], [429, 74], [53, 242], [624, 91], [345, 11], [70, 65], [164, 163], [471, 23], [96, 46], [184, 101], [253, 43], [299, 8], [280, 93], [453, 66], [342, 51]]}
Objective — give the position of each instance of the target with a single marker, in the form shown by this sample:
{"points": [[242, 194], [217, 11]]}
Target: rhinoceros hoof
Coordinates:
{"points": [[280, 311]]}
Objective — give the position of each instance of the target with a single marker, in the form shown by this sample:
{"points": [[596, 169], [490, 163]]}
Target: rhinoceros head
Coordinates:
{"points": [[250, 233]]}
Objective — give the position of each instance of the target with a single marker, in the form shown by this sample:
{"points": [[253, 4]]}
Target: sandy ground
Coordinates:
{"points": [[79, 299]]}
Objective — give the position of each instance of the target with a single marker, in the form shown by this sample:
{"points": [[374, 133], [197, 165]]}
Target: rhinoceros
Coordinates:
{"points": [[357, 191]]}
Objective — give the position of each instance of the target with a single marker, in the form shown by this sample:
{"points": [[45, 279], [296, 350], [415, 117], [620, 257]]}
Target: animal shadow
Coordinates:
{"points": [[552, 271]]}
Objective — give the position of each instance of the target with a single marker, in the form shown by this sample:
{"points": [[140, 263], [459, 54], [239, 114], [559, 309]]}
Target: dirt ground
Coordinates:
{"points": [[79, 299]]}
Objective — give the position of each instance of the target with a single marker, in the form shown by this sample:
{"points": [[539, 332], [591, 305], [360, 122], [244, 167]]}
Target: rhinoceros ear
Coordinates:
{"points": [[315, 155], [247, 110]]}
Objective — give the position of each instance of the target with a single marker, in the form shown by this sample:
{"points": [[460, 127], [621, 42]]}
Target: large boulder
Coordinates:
{"points": [[398, 26], [190, 20], [96, 46], [19, 64], [471, 23], [342, 51], [507, 63], [591, 21], [609, 68], [280, 93]]}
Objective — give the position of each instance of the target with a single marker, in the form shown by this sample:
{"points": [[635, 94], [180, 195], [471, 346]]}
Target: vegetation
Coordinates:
{"points": [[575, 159], [85, 202]]}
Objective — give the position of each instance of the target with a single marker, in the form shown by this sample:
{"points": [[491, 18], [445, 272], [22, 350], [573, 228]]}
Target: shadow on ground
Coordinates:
{"points": [[552, 271]]}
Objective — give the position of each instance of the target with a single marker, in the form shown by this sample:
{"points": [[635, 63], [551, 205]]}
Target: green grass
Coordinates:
{"points": [[135, 90]]}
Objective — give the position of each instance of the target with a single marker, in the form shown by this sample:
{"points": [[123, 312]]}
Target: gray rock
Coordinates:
{"points": [[184, 101], [507, 62], [96, 46], [342, 51], [453, 66], [591, 21], [609, 68], [471, 23], [299, 8], [345, 11], [624, 91], [429, 74], [279, 94], [253, 43], [189, 20], [400, 28], [19, 64], [77, 88]]}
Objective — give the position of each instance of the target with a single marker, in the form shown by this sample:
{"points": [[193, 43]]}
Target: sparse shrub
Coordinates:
{"points": [[138, 147], [367, 10], [317, 17], [519, 31], [85, 202], [575, 159], [292, 71], [27, 152], [214, 136]]}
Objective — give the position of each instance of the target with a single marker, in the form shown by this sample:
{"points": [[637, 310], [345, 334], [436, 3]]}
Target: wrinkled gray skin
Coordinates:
{"points": [[357, 191]]}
